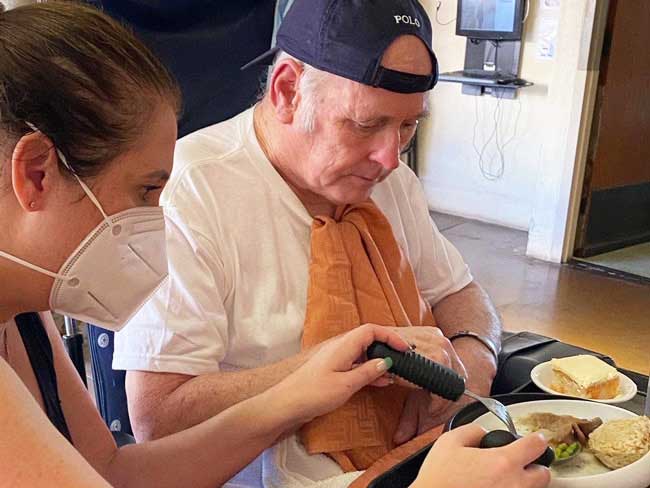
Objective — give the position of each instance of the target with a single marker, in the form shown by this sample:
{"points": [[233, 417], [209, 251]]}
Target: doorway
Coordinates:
{"points": [[613, 231]]}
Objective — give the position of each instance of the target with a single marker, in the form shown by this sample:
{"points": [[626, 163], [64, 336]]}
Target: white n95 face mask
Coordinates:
{"points": [[114, 270]]}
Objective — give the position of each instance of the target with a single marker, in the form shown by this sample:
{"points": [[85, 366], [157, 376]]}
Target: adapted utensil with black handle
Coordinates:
{"points": [[448, 384], [435, 378], [500, 438], [421, 371]]}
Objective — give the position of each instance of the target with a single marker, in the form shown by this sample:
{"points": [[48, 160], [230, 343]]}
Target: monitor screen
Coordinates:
{"points": [[490, 19]]}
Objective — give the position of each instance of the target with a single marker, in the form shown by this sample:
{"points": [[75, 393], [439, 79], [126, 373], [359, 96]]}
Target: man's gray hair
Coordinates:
{"points": [[309, 84]]}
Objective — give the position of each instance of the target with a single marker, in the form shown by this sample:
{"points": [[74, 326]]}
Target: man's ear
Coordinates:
{"points": [[284, 89], [34, 168]]}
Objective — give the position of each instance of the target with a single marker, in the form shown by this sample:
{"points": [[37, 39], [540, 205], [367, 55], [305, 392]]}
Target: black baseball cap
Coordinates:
{"points": [[349, 37]]}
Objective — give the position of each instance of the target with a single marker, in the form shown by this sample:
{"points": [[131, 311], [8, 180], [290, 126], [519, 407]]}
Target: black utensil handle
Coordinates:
{"points": [[421, 371], [500, 438]]}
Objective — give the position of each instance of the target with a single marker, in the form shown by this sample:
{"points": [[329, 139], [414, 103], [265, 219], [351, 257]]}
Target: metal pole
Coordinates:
{"points": [[70, 326]]}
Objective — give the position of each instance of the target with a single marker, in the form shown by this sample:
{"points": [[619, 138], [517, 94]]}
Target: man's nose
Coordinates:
{"points": [[388, 150]]}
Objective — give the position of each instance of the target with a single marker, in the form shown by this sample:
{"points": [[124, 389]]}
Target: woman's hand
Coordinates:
{"points": [[455, 462], [337, 371]]}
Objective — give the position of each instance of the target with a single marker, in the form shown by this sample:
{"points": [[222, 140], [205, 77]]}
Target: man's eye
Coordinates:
{"points": [[410, 125], [150, 188], [365, 127]]}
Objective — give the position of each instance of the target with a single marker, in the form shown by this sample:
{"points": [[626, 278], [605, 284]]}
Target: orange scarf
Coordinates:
{"points": [[358, 274]]}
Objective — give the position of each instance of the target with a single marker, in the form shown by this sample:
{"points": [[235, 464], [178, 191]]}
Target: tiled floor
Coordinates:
{"points": [[577, 306]]}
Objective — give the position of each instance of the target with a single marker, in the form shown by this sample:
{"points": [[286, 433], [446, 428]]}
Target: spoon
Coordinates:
{"points": [[499, 438], [563, 460]]}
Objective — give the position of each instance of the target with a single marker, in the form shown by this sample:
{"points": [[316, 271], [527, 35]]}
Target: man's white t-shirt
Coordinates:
{"points": [[238, 245]]}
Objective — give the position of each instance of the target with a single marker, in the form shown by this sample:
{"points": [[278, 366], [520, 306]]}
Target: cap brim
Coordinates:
{"points": [[264, 59]]}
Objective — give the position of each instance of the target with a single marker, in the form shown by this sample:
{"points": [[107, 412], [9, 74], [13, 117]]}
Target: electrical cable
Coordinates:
{"points": [[437, 11], [514, 132], [487, 166]]}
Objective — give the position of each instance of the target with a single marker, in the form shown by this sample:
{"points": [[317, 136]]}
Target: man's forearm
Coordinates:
{"points": [[472, 310], [208, 454], [161, 405]]}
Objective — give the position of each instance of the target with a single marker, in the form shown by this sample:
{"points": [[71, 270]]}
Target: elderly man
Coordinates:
{"points": [[344, 98]]}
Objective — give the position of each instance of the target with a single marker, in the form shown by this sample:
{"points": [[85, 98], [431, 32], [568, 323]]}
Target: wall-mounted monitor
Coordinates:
{"points": [[498, 20]]}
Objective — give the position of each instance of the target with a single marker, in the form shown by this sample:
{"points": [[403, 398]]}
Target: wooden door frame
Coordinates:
{"points": [[586, 126]]}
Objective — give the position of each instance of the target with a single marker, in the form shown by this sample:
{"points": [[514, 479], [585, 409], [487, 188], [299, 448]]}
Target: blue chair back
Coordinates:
{"points": [[109, 383]]}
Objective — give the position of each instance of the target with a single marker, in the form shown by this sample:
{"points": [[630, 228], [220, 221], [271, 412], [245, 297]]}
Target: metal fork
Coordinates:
{"points": [[497, 408]]}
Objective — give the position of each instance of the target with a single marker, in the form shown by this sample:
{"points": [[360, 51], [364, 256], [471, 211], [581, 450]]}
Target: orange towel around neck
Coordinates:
{"points": [[358, 274]]}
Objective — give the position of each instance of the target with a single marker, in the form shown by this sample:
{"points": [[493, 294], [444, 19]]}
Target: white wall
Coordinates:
{"points": [[16, 3], [533, 193]]}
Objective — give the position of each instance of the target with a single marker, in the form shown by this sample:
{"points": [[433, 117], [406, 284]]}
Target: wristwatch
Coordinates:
{"points": [[489, 343]]}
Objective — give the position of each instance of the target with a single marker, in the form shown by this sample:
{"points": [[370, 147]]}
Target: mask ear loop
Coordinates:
{"points": [[87, 190], [85, 187], [33, 267]]}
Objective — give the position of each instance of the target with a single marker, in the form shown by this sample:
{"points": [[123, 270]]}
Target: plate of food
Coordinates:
{"points": [[636, 440], [585, 377], [614, 443]]}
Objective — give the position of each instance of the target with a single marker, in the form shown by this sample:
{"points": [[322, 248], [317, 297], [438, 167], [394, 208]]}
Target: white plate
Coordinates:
{"points": [[635, 475], [542, 376]]}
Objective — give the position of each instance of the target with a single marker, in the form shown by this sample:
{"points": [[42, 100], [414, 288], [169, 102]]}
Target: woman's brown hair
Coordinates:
{"points": [[82, 78]]}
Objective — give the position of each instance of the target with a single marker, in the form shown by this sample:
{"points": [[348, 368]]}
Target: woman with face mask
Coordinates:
{"points": [[88, 126], [87, 134]]}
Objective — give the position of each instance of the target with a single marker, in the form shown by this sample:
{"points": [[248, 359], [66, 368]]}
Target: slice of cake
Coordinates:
{"points": [[585, 376]]}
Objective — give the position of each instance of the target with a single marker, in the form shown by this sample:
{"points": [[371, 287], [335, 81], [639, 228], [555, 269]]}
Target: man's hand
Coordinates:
{"points": [[469, 309], [480, 367], [422, 410]]}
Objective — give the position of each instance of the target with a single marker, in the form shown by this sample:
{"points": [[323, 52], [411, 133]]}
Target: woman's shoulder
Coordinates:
{"points": [[40, 456], [89, 432], [20, 336]]}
